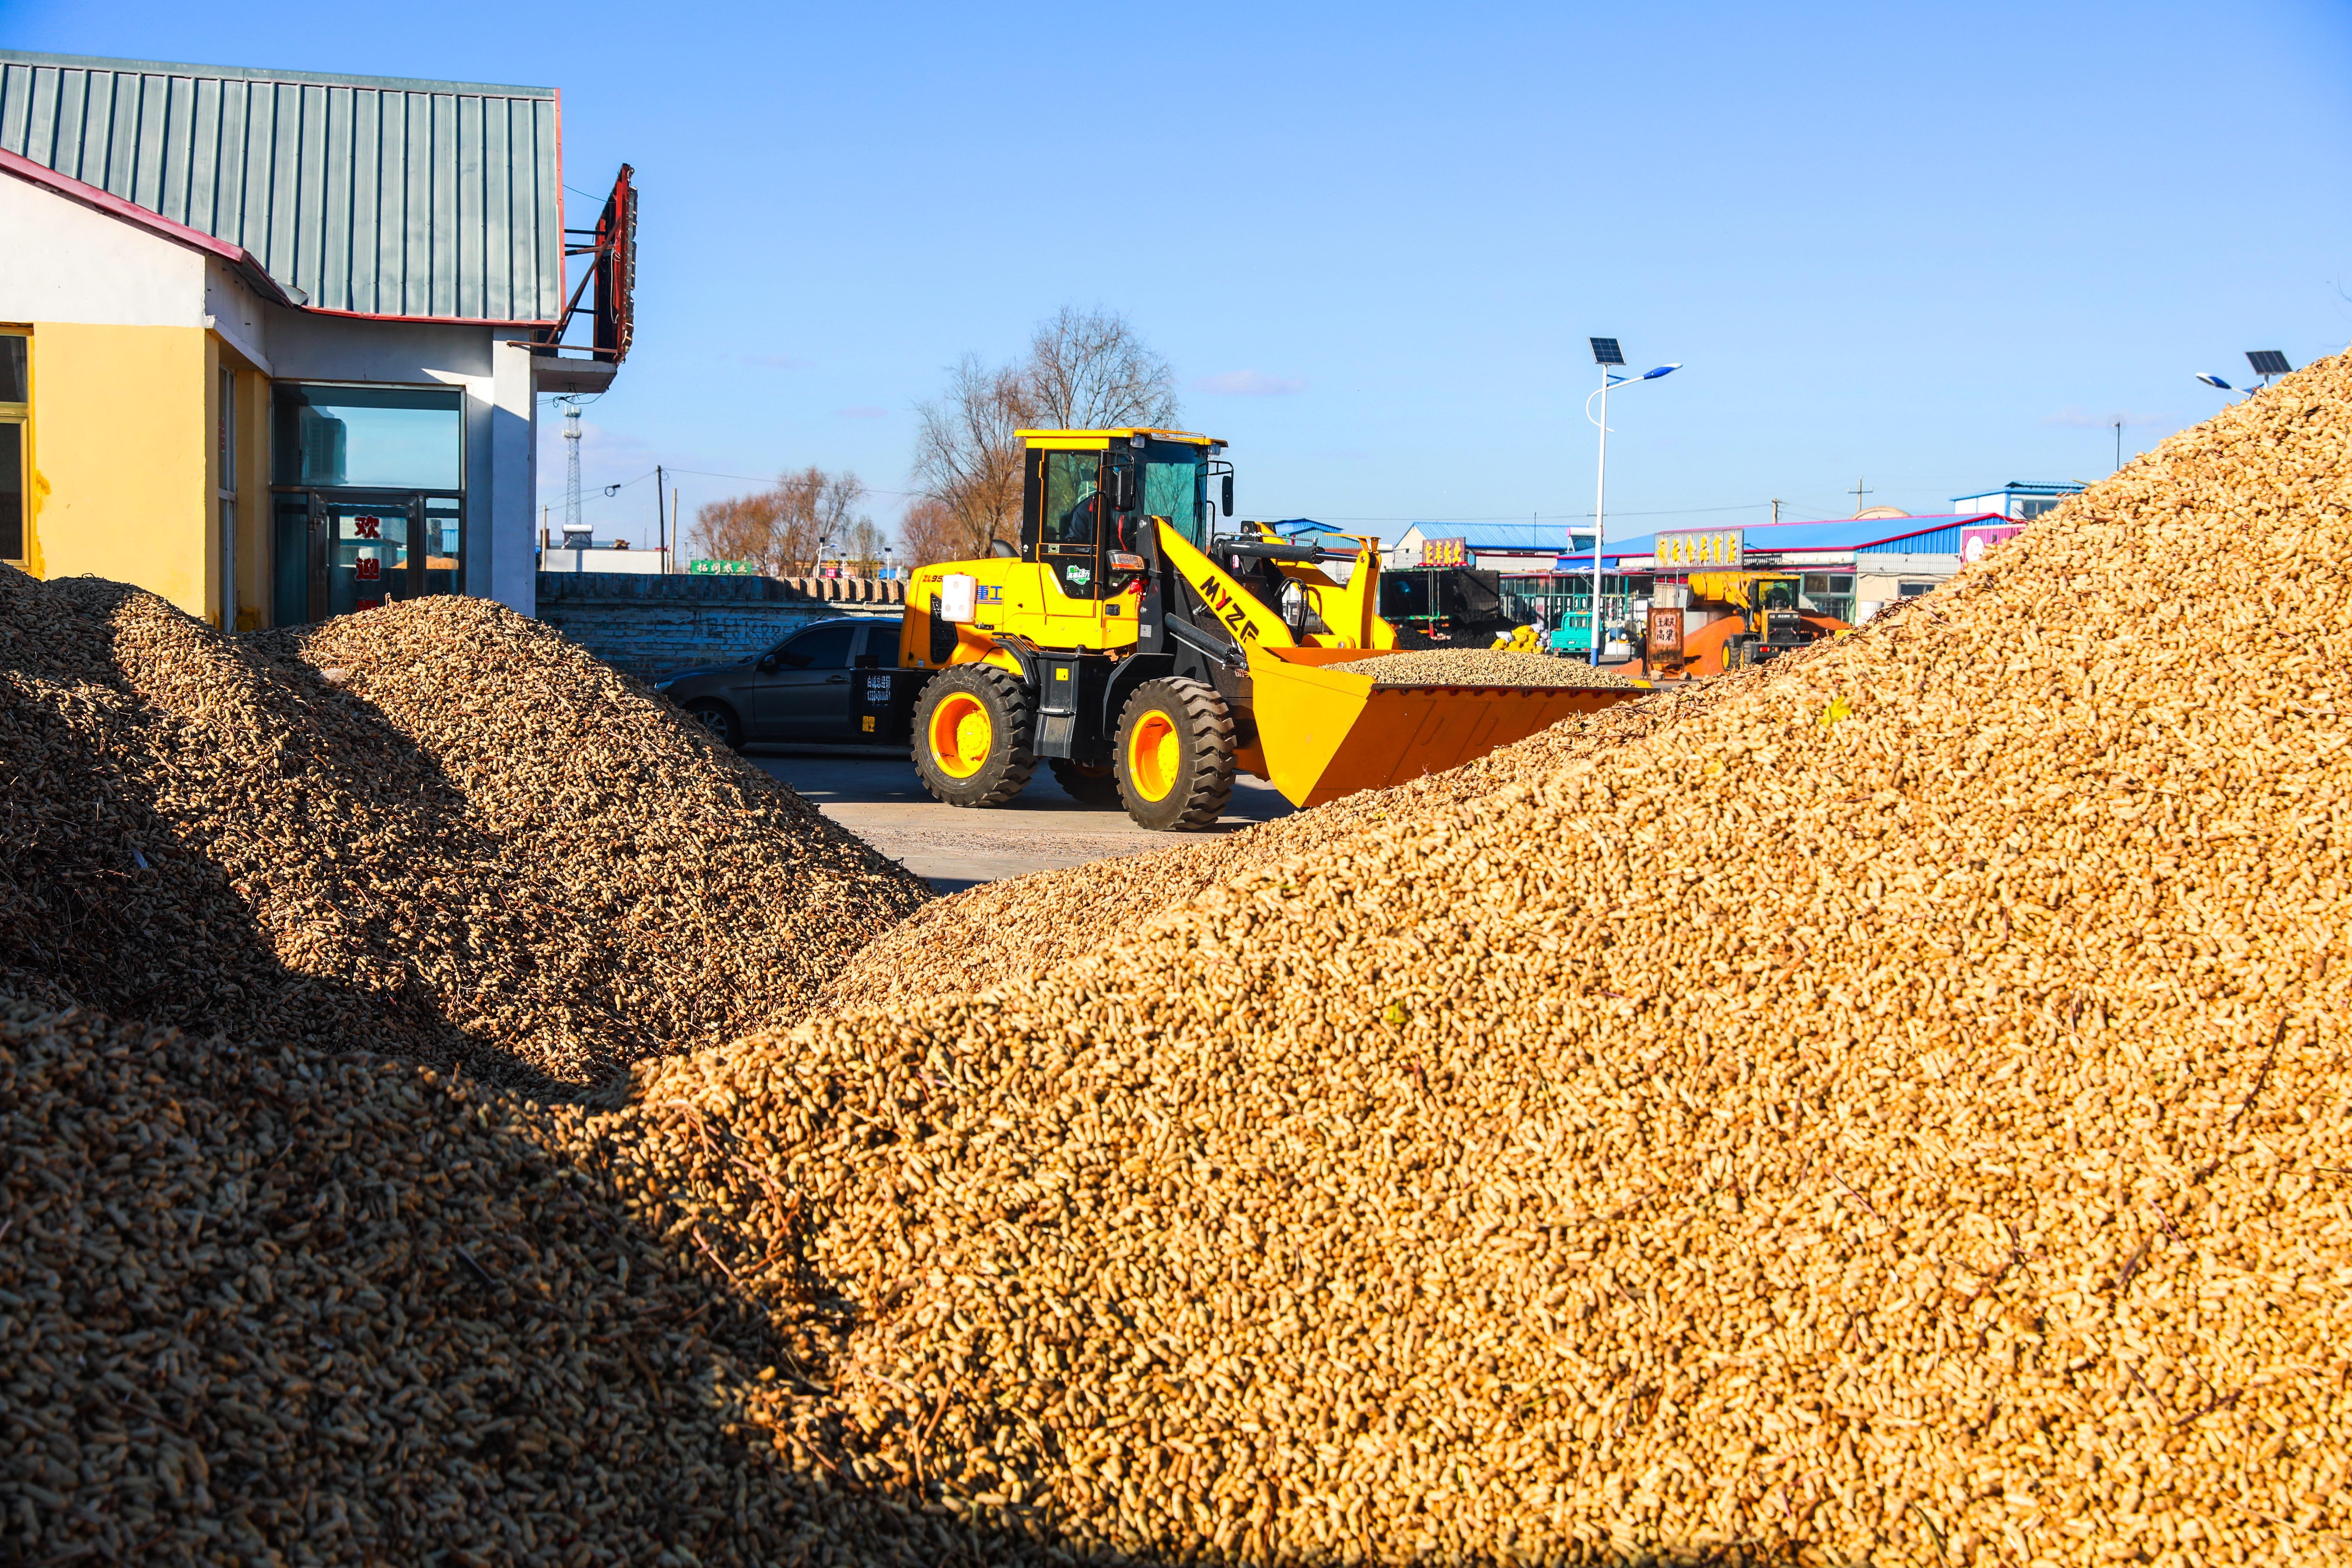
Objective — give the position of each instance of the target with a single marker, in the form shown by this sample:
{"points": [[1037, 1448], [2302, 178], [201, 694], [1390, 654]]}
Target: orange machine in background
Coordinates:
{"points": [[1760, 619]]}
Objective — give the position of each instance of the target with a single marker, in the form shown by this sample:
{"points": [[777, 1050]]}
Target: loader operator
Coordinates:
{"points": [[1077, 523]]}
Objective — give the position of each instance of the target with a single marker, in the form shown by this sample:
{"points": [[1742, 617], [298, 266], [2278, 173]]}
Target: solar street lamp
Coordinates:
{"points": [[2267, 362], [1605, 353]]}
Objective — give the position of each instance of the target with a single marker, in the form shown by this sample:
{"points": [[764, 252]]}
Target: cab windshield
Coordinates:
{"points": [[1176, 486]]}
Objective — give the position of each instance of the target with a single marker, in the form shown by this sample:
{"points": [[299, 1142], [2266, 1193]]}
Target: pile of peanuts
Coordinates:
{"points": [[437, 828], [1890, 1105], [1894, 1108]]}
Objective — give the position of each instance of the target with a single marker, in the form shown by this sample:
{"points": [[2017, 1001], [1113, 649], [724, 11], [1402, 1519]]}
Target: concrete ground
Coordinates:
{"points": [[879, 797]]}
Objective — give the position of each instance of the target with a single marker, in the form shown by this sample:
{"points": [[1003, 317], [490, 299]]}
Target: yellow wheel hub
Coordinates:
{"points": [[1155, 755], [961, 735]]}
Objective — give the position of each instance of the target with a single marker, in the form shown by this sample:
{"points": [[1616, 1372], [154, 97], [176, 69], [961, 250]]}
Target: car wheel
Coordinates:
{"points": [[718, 720], [1090, 786], [973, 725], [1174, 757]]}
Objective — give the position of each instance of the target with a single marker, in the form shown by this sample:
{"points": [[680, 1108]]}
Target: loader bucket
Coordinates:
{"points": [[1326, 732]]}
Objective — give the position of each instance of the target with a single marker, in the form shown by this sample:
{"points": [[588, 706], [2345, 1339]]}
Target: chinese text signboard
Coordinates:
{"points": [[1445, 552], [720, 568], [1718, 547]]}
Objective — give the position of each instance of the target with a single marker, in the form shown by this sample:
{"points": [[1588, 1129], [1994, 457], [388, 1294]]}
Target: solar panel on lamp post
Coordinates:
{"points": [[2267, 362], [1605, 353]]}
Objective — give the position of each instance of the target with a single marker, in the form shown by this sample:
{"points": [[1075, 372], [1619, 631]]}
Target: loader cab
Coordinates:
{"points": [[1084, 494]]}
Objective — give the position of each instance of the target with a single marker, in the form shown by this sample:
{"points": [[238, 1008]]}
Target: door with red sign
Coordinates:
{"points": [[337, 552], [369, 554]]}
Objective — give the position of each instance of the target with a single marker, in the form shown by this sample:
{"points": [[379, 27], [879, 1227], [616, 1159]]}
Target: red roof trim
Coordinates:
{"points": [[426, 320]]}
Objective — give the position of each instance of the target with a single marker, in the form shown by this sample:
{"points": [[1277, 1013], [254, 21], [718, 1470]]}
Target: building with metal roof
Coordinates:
{"points": [[1799, 543], [1493, 547], [2019, 499], [1847, 567], [318, 310]]}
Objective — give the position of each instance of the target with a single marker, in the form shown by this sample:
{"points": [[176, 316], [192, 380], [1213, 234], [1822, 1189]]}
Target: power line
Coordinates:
{"points": [[1559, 516]]}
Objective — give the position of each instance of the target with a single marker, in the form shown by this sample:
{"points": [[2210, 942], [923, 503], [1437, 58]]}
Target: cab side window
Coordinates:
{"points": [[821, 647], [1070, 521]]}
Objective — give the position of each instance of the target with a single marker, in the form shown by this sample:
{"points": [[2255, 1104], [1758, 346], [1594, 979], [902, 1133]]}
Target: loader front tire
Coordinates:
{"points": [[973, 729], [1174, 755]]}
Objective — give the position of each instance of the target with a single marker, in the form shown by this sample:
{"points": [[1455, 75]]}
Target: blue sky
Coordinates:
{"points": [[1925, 248]]}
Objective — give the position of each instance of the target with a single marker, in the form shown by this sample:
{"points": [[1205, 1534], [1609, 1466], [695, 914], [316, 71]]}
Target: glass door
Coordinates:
{"points": [[342, 550], [369, 553]]}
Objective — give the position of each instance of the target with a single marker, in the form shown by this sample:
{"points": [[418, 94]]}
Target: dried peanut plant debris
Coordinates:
{"points": [[286, 1307], [1897, 1113], [1480, 666], [1891, 1106], [981, 937], [437, 828]]}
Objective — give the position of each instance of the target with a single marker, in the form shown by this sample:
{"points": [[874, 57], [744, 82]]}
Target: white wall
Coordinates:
{"points": [[61, 261], [511, 411]]}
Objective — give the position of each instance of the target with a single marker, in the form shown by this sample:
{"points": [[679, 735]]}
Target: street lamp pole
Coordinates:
{"points": [[1600, 495], [1605, 353]]}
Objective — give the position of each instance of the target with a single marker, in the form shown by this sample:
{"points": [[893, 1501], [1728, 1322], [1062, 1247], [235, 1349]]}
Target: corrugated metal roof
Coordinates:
{"points": [[1533, 537], [1911, 535], [375, 195]]}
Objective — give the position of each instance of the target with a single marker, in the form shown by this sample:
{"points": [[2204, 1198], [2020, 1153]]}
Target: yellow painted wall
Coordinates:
{"points": [[121, 459]]}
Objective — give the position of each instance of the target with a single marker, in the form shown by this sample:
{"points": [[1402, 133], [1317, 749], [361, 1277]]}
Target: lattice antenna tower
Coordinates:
{"points": [[571, 464]]}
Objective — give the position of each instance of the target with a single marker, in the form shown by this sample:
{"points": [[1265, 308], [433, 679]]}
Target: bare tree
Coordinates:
{"points": [[861, 548], [967, 457], [930, 532], [819, 505], [740, 528], [1088, 371], [784, 530]]}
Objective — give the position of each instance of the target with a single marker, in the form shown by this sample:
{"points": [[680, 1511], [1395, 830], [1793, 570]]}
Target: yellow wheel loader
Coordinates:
{"points": [[1145, 656]]}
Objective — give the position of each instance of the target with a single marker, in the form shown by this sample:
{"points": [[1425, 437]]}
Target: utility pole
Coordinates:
{"points": [[2119, 445], [1776, 509], [661, 529], [1858, 493]]}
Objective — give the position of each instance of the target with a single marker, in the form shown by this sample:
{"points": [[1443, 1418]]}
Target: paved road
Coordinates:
{"points": [[880, 798]]}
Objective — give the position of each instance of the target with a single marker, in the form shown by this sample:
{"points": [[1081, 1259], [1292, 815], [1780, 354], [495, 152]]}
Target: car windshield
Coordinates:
{"points": [[824, 647]]}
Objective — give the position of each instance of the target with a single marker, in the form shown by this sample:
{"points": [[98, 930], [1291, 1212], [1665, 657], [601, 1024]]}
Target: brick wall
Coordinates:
{"points": [[651, 626]]}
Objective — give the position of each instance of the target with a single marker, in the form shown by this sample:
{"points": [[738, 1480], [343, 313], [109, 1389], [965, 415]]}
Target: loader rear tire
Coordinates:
{"points": [[973, 729], [1174, 755]]}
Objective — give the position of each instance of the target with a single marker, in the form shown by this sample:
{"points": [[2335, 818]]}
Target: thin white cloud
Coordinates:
{"points": [[2079, 419], [1250, 384], [861, 411]]}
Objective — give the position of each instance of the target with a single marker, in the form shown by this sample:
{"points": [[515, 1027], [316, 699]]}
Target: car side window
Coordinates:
{"points": [[819, 648]]}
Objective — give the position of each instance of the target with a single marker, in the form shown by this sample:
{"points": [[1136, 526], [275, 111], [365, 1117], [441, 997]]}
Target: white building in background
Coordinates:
{"points": [[2019, 499]]}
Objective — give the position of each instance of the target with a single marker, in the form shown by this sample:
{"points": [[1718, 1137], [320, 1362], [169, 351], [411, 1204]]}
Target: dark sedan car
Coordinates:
{"points": [[797, 690]]}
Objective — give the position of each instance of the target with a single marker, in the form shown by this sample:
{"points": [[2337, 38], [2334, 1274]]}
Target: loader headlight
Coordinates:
{"points": [[1122, 561]]}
